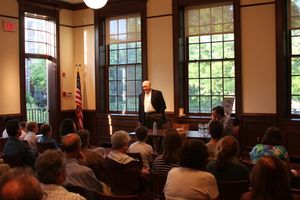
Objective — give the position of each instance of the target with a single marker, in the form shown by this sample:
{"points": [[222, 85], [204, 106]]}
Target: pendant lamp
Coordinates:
{"points": [[95, 4]]}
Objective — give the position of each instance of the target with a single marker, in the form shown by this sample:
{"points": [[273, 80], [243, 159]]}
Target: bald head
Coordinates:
{"points": [[71, 143], [146, 86], [20, 186]]}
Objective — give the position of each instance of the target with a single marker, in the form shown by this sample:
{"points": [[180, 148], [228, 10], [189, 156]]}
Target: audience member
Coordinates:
{"points": [[92, 157], [170, 157], [117, 157], [22, 125], [215, 129], [46, 131], [5, 120], [218, 114], [20, 184], [227, 165], [14, 146], [67, 126], [78, 175], [142, 147], [31, 137], [269, 180], [51, 172], [271, 144], [189, 181]]}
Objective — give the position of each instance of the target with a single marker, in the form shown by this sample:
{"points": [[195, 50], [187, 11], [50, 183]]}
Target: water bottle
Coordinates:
{"points": [[200, 126], [154, 127]]}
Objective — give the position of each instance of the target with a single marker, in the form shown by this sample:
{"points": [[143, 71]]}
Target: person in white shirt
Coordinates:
{"points": [[142, 147], [151, 106], [51, 172], [31, 137], [189, 181], [22, 125]]}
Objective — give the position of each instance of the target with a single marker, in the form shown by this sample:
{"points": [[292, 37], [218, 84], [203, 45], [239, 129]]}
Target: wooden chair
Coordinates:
{"points": [[117, 197], [2, 143], [13, 160], [296, 193], [41, 147], [88, 194], [138, 157], [122, 182], [232, 190], [158, 183]]}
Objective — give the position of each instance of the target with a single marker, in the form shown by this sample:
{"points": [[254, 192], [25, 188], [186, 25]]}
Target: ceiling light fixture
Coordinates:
{"points": [[95, 4]]}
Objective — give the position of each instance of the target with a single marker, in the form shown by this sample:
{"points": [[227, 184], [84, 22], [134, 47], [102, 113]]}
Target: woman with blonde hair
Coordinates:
{"points": [[227, 165]]}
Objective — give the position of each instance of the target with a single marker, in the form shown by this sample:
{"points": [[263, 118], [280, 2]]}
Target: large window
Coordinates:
{"points": [[40, 51], [210, 39], [294, 30], [124, 62]]}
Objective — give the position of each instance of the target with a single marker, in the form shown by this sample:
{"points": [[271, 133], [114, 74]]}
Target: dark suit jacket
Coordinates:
{"points": [[157, 101]]}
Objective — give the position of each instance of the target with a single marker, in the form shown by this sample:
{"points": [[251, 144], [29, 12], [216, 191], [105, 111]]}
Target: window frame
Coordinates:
{"points": [[181, 57], [115, 9]]}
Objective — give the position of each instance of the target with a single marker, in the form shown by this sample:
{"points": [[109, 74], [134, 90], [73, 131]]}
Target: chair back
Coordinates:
{"points": [[117, 197], [138, 157], [2, 143], [88, 194], [248, 163], [13, 160], [122, 181], [43, 146], [232, 190], [185, 127], [158, 183]]}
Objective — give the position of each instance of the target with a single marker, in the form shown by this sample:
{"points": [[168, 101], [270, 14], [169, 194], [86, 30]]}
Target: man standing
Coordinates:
{"points": [[151, 106]]}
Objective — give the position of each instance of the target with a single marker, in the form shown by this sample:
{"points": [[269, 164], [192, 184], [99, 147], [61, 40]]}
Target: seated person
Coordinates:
{"points": [[215, 129], [142, 147], [31, 137], [227, 165], [92, 157], [189, 181], [170, 157], [51, 172], [20, 184], [218, 114], [14, 146], [269, 179], [46, 131], [23, 128], [67, 126], [271, 144], [5, 120], [76, 174], [117, 157]]}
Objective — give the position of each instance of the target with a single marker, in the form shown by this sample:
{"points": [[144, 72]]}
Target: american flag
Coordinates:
{"points": [[78, 101]]}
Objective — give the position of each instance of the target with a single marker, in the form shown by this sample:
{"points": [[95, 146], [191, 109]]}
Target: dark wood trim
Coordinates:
{"points": [[158, 16], [58, 4], [257, 4], [85, 25], [11, 17]]}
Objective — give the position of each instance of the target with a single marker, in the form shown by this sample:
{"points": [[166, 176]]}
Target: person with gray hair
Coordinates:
{"points": [[117, 158], [78, 175], [20, 184], [51, 172]]}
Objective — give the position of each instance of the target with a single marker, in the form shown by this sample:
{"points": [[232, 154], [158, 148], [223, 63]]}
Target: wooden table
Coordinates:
{"points": [[155, 139], [189, 134]]}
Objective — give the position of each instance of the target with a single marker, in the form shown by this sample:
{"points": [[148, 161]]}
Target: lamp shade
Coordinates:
{"points": [[95, 4]]}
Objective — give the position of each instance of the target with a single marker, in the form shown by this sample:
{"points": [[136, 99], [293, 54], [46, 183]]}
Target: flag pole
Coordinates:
{"points": [[78, 99]]}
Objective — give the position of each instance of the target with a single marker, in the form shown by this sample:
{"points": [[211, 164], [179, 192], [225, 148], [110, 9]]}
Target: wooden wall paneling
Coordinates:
{"points": [[102, 130], [252, 128], [291, 134]]}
